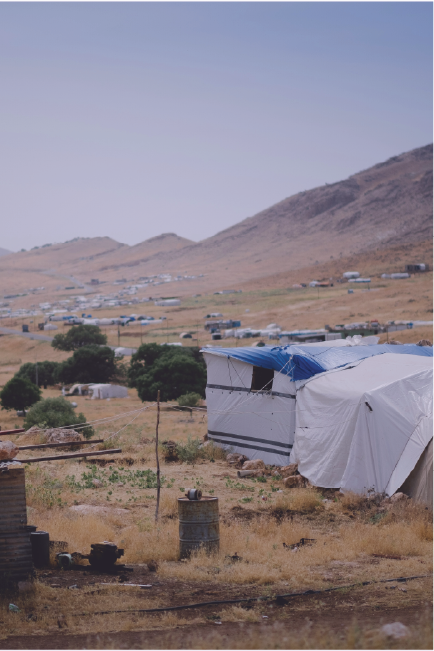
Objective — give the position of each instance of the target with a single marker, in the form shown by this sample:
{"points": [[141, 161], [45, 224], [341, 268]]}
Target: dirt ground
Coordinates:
{"points": [[356, 539]]}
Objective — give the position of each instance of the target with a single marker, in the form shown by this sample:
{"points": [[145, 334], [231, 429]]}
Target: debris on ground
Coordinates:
{"points": [[58, 435], [398, 497], [152, 566], [236, 460], [170, 450], [396, 630], [424, 342], [288, 471], [295, 481], [234, 559], [97, 483], [90, 509], [8, 450], [308, 542], [104, 555], [255, 464]]}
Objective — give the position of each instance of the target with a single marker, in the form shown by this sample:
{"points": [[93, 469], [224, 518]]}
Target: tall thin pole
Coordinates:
{"points": [[156, 454]]}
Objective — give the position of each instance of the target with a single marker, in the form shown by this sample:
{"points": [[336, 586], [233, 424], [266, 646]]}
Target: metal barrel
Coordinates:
{"points": [[15, 548], [40, 542], [198, 525]]}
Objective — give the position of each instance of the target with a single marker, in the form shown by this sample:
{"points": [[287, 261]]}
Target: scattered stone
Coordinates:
{"points": [[424, 342], [8, 450], [152, 566], [236, 460], [288, 471], [97, 483], [58, 435], [395, 342], [55, 585], [120, 484], [88, 509], [396, 630], [296, 481], [61, 621], [398, 497], [256, 464]]}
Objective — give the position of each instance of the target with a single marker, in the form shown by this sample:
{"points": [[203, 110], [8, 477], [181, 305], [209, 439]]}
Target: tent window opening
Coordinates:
{"points": [[262, 379]]}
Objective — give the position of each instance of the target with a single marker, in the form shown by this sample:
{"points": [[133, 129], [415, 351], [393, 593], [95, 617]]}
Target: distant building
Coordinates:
{"points": [[94, 281], [416, 268]]}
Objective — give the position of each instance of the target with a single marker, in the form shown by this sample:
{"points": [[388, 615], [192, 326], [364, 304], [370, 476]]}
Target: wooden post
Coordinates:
{"points": [[158, 461]]}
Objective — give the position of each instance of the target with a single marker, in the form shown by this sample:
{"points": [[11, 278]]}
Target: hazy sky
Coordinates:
{"points": [[130, 120]]}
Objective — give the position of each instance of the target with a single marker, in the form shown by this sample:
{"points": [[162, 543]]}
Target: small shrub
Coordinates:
{"points": [[190, 451], [56, 412], [352, 502], [189, 399]]}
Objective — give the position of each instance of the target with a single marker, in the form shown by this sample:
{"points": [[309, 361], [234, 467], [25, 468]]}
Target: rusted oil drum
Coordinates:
{"points": [[15, 548], [198, 525]]}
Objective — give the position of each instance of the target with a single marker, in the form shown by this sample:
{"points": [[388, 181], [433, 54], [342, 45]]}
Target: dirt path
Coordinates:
{"points": [[331, 614]]}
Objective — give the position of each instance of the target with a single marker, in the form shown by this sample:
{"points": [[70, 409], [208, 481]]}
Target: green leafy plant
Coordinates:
{"points": [[88, 364], [190, 451], [171, 370], [142, 479], [79, 336], [56, 412], [189, 400], [19, 394], [42, 373]]}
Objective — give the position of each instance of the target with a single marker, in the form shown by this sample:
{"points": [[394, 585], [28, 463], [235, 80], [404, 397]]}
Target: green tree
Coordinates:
{"points": [[88, 364], [171, 370], [56, 412], [79, 336], [47, 372], [19, 393]]}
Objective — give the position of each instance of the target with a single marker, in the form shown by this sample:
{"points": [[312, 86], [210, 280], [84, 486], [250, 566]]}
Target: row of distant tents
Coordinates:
{"points": [[354, 417]]}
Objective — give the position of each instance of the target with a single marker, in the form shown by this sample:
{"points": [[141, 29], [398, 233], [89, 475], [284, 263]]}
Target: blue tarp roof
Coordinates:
{"points": [[303, 362]]}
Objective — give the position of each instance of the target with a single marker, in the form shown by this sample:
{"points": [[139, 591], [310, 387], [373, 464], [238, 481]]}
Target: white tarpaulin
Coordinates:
{"points": [[258, 424], [104, 391], [365, 427]]}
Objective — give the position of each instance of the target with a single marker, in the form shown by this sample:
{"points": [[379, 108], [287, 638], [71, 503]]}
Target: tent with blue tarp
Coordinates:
{"points": [[303, 362], [353, 417]]}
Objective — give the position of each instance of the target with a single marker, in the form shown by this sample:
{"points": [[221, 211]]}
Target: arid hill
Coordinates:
{"points": [[388, 205]]}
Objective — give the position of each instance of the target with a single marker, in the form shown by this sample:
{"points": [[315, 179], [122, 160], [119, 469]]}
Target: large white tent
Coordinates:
{"points": [[362, 423]]}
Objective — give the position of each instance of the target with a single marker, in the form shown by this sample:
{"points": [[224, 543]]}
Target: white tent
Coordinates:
{"points": [[363, 426], [104, 391], [259, 424]]}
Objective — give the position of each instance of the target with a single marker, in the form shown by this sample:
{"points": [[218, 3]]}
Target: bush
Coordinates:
{"points": [[194, 449], [88, 364], [19, 394], [56, 412], [77, 337], [47, 372], [171, 370], [189, 400]]}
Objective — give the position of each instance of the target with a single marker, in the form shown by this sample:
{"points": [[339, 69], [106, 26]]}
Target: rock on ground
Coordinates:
{"points": [[398, 497], [88, 509], [288, 471], [8, 450], [256, 464], [58, 435], [295, 481], [395, 630]]}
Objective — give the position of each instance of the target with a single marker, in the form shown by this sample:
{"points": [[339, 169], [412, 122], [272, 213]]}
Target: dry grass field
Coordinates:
{"points": [[356, 539]]}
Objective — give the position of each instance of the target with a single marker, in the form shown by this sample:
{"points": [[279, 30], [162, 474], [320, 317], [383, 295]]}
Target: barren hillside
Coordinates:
{"points": [[388, 205]]}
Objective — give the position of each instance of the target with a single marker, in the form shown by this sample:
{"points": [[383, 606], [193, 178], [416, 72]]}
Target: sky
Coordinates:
{"points": [[129, 120]]}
